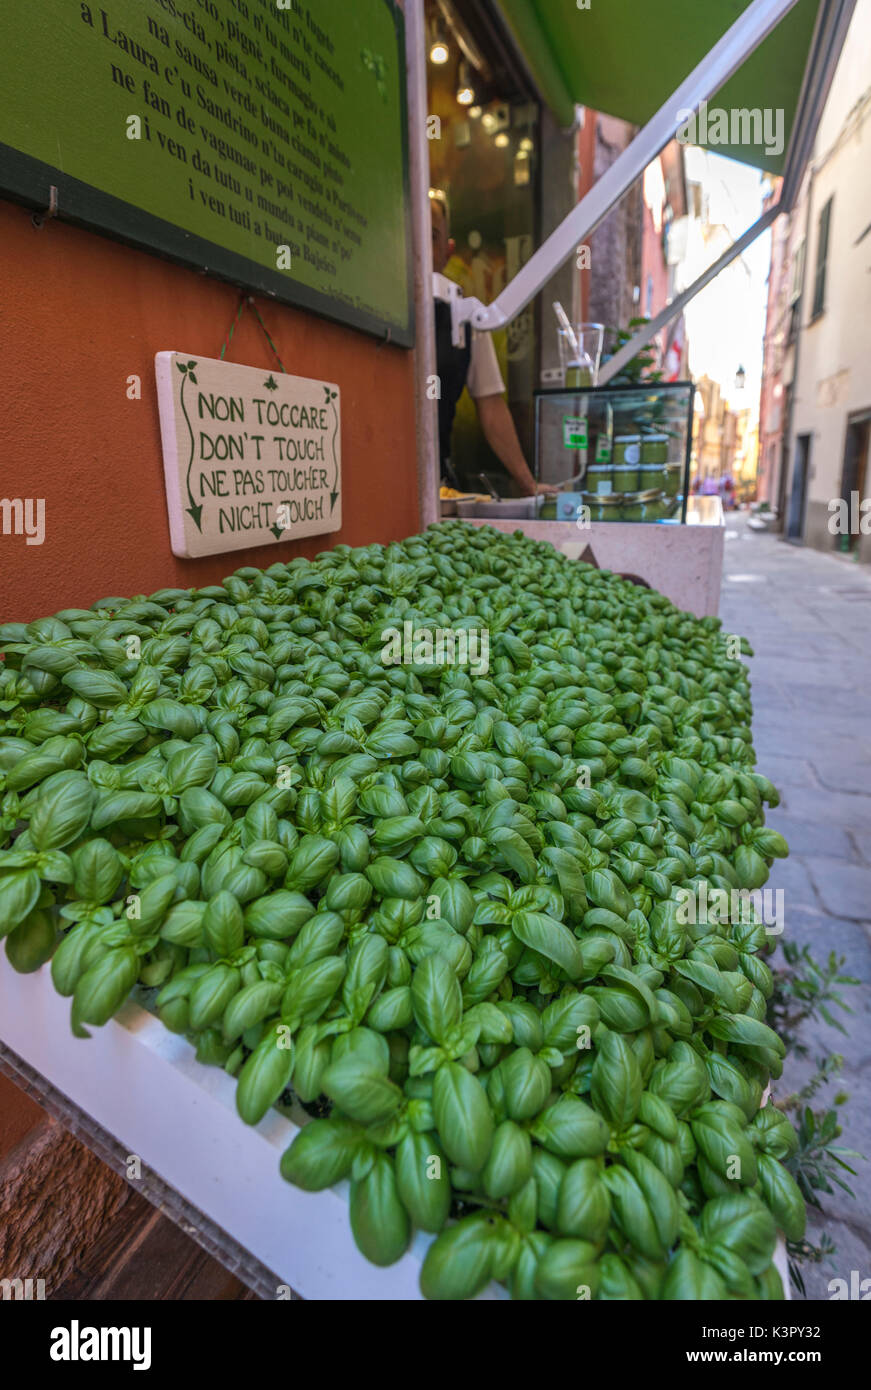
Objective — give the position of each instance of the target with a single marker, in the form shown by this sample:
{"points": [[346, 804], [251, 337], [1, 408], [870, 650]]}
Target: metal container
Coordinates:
{"points": [[509, 509]]}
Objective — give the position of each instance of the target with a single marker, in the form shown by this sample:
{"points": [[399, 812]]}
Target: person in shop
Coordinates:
{"points": [[473, 366]]}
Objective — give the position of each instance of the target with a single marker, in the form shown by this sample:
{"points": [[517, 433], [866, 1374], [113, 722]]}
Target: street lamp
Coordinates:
{"points": [[740, 379]]}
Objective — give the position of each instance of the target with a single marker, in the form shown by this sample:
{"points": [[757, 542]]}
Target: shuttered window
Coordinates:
{"points": [[822, 257]]}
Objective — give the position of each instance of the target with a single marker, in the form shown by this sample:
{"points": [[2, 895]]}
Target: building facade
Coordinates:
{"points": [[829, 422], [779, 342]]}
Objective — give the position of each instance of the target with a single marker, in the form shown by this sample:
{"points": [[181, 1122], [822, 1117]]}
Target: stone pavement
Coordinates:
{"points": [[808, 618]]}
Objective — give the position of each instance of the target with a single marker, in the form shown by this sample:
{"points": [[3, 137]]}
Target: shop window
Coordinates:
{"points": [[822, 258]]}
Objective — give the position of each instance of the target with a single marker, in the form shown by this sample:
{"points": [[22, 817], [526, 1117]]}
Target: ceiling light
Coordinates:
{"points": [[527, 144], [439, 52], [489, 121], [501, 140], [475, 112], [465, 90]]}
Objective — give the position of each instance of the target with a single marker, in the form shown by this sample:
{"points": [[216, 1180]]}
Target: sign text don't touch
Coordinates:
{"points": [[250, 456]]}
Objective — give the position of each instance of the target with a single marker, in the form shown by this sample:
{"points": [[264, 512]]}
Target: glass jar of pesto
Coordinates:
{"points": [[603, 506], [651, 477], [654, 448], [632, 509], [655, 503], [627, 448], [626, 477], [598, 478], [672, 479]]}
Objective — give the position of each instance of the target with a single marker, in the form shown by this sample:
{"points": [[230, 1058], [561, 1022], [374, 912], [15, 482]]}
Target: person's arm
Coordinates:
{"points": [[501, 435], [486, 388]]}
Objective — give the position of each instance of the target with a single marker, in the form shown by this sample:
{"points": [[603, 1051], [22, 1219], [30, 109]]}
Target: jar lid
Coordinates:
{"points": [[627, 439], [607, 499], [650, 495]]}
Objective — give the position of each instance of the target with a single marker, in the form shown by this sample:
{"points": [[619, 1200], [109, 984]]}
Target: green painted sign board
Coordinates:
{"points": [[264, 142]]}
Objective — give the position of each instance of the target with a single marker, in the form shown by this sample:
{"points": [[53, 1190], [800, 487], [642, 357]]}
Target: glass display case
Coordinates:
{"points": [[620, 452]]}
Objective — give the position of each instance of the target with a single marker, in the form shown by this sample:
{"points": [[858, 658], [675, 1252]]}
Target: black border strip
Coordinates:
{"points": [[27, 180]]}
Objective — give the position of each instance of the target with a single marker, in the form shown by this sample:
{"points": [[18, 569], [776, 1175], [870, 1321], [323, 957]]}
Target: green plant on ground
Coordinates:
{"points": [[805, 990], [804, 1252], [815, 1166]]}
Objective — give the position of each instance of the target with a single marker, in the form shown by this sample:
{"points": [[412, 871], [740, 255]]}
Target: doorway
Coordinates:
{"points": [[486, 162], [783, 462], [855, 471], [798, 497]]}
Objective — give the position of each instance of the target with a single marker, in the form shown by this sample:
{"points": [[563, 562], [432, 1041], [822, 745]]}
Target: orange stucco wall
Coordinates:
{"points": [[79, 314]]}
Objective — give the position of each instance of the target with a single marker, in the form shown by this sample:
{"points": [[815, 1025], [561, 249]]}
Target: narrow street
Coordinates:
{"points": [[808, 618]]}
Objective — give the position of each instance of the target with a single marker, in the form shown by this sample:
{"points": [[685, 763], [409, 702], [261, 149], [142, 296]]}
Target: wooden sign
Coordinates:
{"points": [[250, 457]]}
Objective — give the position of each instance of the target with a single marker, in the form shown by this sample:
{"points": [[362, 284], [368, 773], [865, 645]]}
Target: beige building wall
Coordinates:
{"points": [[833, 367]]}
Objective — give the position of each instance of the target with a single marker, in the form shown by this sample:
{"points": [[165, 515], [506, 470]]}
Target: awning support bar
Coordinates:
{"points": [[833, 21], [616, 363], [745, 35]]}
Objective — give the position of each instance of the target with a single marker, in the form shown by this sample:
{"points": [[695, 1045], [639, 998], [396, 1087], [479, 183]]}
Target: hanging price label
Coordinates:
{"points": [[574, 432]]}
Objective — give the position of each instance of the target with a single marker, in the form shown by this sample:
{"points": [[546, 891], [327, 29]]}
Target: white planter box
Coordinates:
{"points": [[144, 1086], [683, 562]]}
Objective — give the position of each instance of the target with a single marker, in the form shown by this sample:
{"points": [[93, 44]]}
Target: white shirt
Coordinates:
{"points": [[484, 377]]}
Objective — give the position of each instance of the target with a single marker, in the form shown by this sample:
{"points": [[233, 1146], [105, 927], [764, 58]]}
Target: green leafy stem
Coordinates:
{"points": [[187, 374]]}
